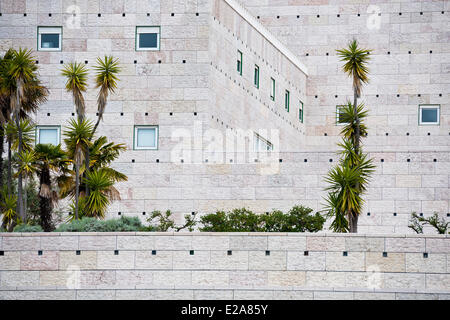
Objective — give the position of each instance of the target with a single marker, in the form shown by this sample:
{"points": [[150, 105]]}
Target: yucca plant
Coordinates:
{"points": [[102, 191], [76, 83], [78, 135], [8, 204], [106, 79]]}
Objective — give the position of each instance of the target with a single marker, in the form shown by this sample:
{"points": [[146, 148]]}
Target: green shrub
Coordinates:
{"points": [[298, 219], [163, 222], [27, 228], [417, 223], [88, 224]]}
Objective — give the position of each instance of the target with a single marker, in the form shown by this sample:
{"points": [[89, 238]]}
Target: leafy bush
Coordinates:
{"points": [[164, 222], [298, 219], [28, 228], [417, 223], [88, 224]]}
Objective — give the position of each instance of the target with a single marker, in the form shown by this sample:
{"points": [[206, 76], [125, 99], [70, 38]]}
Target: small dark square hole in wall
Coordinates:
{"points": [[256, 160], [382, 160], [153, 252], [197, 14], [258, 17], [434, 160], [1, 14], [49, 14], [182, 161], [335, 95], [99, 15], [195, 113], [24, 14], [318, 16], [135, 61], [119, 213], [121, 113], [398, 96], [281, 160], [338, 15], [143, 213], [399, 13], [359, 14], [231, 160], [85, 61], [331, 160], [429, 133], [387, 133], [368, 213], [184, 61], [448, 214], [377, 95], [325, 134], [229, 252], [440, 94], [395, 214], [191, 252], [409, 52], [116, 252], [388, 52], [421, 13], [206, 160], [316, 97], [172, 14], [123, 14], [306, 160], [37, 61], [96, 114], [278, 17], [298, 17], [431, 51], [171, 113], [421, 214], [2, 253], [148, 14], [267, 253], [73, 114], [306, 253], [345, 253], [146, 113], [307, 54], [48, 114], [40, 253], [425, 255], [157, 160], [408, 160], [78, 252], [159, 61], [61, 62], [442, 12], [407, 133], [326, 53], [385, 254]]}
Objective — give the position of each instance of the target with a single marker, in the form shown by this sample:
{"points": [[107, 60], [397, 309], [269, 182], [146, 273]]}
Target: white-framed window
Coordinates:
{"points": [[300, 112], [286, 100], [339, 112], [145, 137], [272, 89], [256, 77], [429, 114], [147, 38], [48, 135], [49, 38], [261, 144], [239, 62]]}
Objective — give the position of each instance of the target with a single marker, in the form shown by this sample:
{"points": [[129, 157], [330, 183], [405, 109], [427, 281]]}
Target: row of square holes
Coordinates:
{"points": [[358, 14], [99, 14], [377, 95], [409, 52], [229, 252]]}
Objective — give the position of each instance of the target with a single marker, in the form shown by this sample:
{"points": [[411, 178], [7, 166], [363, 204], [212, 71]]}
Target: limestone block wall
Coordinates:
{"points": [[223, 266]]}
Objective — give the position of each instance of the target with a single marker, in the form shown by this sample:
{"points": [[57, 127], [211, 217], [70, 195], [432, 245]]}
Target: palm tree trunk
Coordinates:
{"points": [[77, 187], [25, 193], [45, 205], [2, 148], [9, 168], [353, 222]]}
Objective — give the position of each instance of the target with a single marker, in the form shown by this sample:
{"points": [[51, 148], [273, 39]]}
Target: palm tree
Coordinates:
{"points": [[102, 192], [77, 141], [49, 159], [22, 71], [356, 67], [26, 167], [105, 79], [8, 204]]}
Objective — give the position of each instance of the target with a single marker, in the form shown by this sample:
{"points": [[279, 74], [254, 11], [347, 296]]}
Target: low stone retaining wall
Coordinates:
{"points": [[223, 266]]}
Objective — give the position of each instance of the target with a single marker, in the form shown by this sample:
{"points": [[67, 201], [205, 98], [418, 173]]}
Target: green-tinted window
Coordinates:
{"points": [[429, 114], [256, 77], [272, 89], [339, 112], [239, 62], [286, 100], [300, 112]]}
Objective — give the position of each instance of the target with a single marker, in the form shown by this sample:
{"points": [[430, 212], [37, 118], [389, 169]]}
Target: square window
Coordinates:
{"points": [[429, 114], [300, 112], [239, 62], [49, 38], [261, 144], [272, 90], [145, 137], [256, 77], [339, 113], [286, 100], [48, 135], [147, 38]]}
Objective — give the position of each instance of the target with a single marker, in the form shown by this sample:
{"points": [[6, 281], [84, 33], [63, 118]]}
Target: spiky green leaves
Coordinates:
{"points": [[76, 75]]}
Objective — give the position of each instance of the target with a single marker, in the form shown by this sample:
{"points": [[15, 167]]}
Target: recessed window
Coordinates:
{"points": [[429, 114], [339, 114], [256, 77], [272, 89], [261, 144], [239, 62], [145, 137], [48, 135], [147, 38], [49, 38], [286, 100], [300, 112]]}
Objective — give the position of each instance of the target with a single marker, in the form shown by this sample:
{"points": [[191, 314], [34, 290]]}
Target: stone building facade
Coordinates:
{"points": [[222, 81]]}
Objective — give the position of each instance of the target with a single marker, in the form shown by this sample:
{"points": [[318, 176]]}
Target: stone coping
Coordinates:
{"points": [[265, 234]]}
